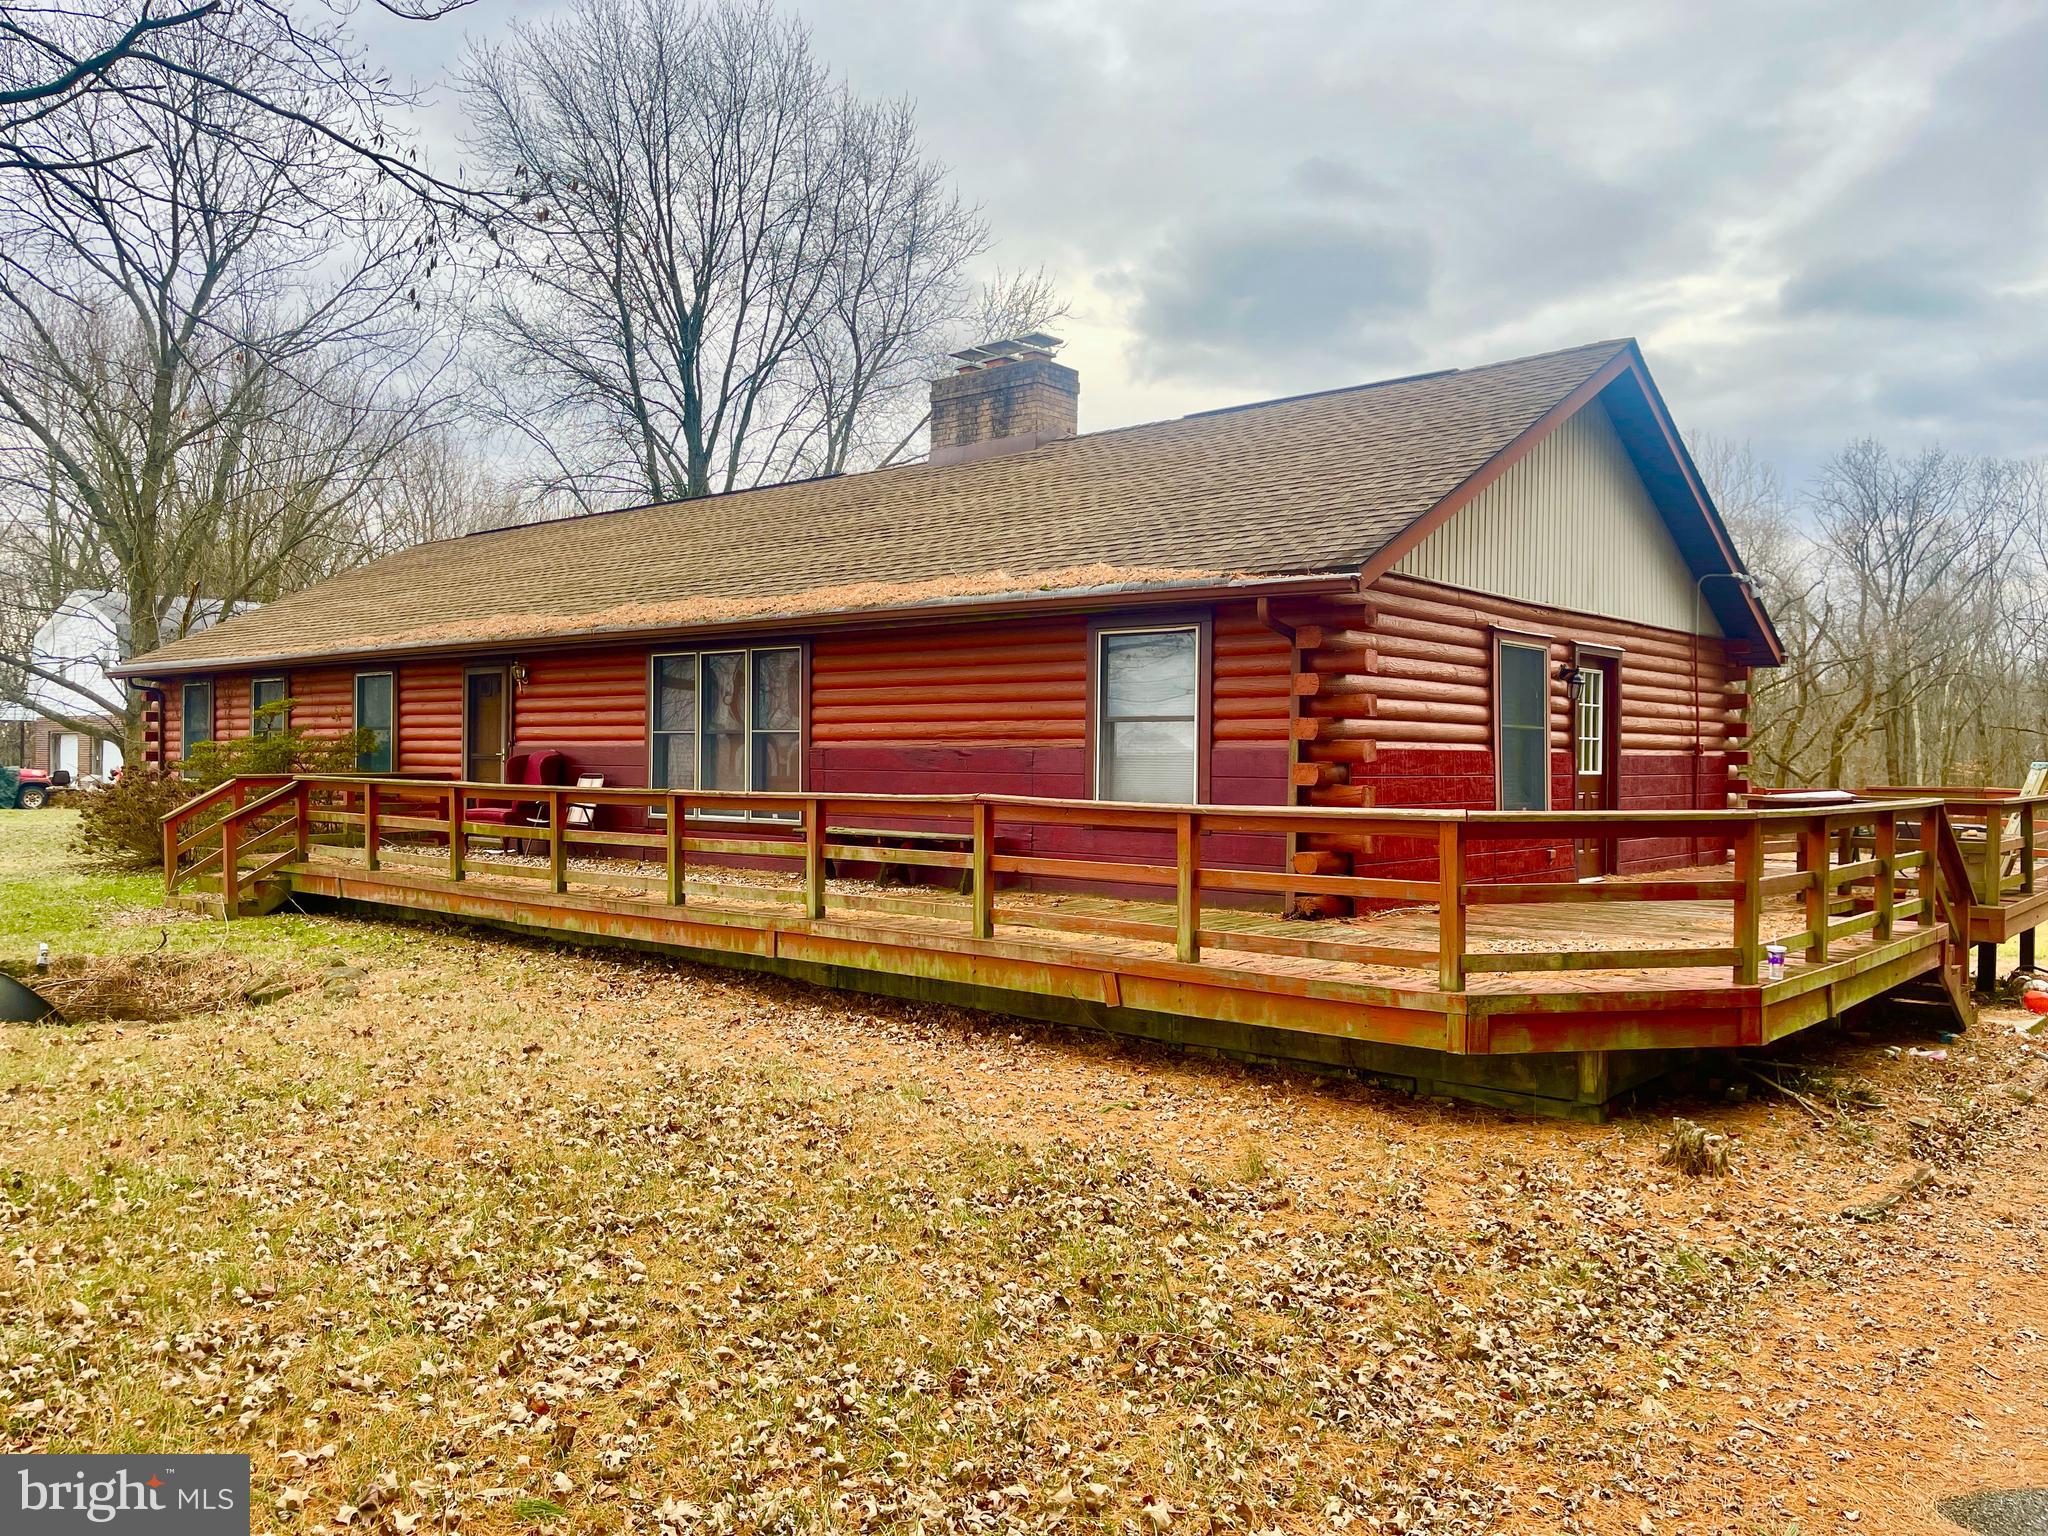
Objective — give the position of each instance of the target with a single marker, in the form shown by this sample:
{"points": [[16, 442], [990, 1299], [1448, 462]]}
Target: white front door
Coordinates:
{"points": [[67, 752]]}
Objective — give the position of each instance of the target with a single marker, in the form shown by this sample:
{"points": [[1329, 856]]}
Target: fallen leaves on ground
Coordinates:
{"points": [[498, 1237]]}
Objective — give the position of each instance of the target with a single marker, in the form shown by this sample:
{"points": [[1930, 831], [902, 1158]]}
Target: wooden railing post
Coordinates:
{"points": [[672, 847], [558, 845], [1991, 877], [1450, 922], [1819, 864], [983, 895], [2027, 848], [456, 810], [1749, 874], [1187, 887], [814, 857], [1930, 855], [1885, 848], [230, 862], [371, 834], [171, 857], [302, 810]]}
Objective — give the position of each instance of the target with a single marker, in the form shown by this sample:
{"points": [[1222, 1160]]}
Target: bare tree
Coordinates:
{"points": [[723, 268], [1912, 596], [212, 354], [53, 58]]}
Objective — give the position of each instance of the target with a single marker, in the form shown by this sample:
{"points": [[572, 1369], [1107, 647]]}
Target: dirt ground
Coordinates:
{"points": [[460, 1232]]}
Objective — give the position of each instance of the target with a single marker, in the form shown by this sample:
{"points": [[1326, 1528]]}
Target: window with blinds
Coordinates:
{"points": [[727, 720], [1147, 727]]}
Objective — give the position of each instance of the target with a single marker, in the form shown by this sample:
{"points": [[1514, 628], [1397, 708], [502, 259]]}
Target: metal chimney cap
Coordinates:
{"points": [[1009, 348]]}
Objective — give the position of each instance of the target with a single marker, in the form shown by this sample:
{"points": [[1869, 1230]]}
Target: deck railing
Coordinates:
{"points": [[1850, 875], [1998, 830]]}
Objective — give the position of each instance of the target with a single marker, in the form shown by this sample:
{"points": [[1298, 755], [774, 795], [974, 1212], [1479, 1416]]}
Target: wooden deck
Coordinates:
{"points": [[1550, 992]]}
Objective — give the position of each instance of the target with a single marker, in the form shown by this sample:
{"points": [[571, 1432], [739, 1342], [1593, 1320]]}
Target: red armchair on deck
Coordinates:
{"points": [[548, 768]]}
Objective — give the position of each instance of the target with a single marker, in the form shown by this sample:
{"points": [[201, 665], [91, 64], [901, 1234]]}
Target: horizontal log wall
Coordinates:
{"points": [[170, 725], [1396, 706], [591, 706], [1001, 709], [231, 710], [430, 718], [323, 700]]}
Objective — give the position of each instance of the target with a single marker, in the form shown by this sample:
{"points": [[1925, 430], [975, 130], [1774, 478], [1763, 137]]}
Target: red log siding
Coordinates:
{"points": [[589, 705], [170, 723], [323, 700], [994, 709], [1420, 730], [153, 728], [231, 712], [1403, 717], [1253, 671], [430, 718]]}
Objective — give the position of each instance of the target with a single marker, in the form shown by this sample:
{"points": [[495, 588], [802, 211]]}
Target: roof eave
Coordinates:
{"points": [[976, 607]]}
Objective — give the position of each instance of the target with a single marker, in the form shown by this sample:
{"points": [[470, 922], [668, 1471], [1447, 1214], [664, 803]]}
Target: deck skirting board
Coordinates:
{"points": [[1566, 1052]]}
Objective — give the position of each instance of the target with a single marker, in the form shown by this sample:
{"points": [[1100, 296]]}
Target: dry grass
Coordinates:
{"points": [[157, 986], [492, 1237], [1695, 1150]]}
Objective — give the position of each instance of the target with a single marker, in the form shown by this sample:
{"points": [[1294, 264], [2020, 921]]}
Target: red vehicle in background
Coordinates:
{"points": [[30, 789]]}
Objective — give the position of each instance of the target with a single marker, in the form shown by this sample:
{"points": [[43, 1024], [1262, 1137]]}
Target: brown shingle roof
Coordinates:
{"points": [[1309, 484]]}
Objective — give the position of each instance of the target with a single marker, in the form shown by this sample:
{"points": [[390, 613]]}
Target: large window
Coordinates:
{"points": [[727, 720], [264, 693], [1522, 725], [374, 713], [1148, 722], [195, 716]]}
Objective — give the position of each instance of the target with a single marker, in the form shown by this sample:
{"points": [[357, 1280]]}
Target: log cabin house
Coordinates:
{"points": [[1495, 587], [1429, 615]]}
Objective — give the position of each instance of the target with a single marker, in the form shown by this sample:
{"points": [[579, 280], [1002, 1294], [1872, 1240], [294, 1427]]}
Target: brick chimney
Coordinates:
{"points": [[1007, 396]]}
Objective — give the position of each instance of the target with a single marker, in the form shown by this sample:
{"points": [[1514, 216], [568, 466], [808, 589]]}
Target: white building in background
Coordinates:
{"points": [[86, 634]]}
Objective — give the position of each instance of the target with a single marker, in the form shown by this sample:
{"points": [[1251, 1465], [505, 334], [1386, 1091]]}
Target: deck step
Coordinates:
{"points": [[265, 899], [1940, 994]]}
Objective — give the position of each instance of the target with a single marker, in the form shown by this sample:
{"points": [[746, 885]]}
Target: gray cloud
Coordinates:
{"points": [[1907, 285], [1823, 221], [1263, 295]]}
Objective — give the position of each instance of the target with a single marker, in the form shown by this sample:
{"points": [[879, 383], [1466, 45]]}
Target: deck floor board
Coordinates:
{"points": [[1576, 928]]}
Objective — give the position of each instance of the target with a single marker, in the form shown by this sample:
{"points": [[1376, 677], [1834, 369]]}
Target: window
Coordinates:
{"points": [[727, 720], [1148, 726], [374, 692], [1522, 725], [195, 717], [1590, 718], [265, 693]]}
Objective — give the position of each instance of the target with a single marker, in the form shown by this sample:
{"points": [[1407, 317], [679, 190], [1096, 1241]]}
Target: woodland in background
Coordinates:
{"points": [[252, 340], [1911, 593]]}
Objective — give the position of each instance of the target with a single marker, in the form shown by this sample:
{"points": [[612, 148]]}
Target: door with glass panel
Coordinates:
{"points": [[1148, 715], [486, 724], [1593, 777]]}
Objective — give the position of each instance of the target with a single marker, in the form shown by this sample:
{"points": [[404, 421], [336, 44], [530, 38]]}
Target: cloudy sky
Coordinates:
{"points": [[1821, 220]]}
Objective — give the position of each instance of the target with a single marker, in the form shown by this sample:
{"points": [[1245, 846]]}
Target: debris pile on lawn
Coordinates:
{"points": [[1694, 1149], [154, 988]]}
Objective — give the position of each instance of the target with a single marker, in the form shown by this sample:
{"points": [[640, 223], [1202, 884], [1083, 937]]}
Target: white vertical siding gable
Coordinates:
{"points": [[1570, 525]]}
